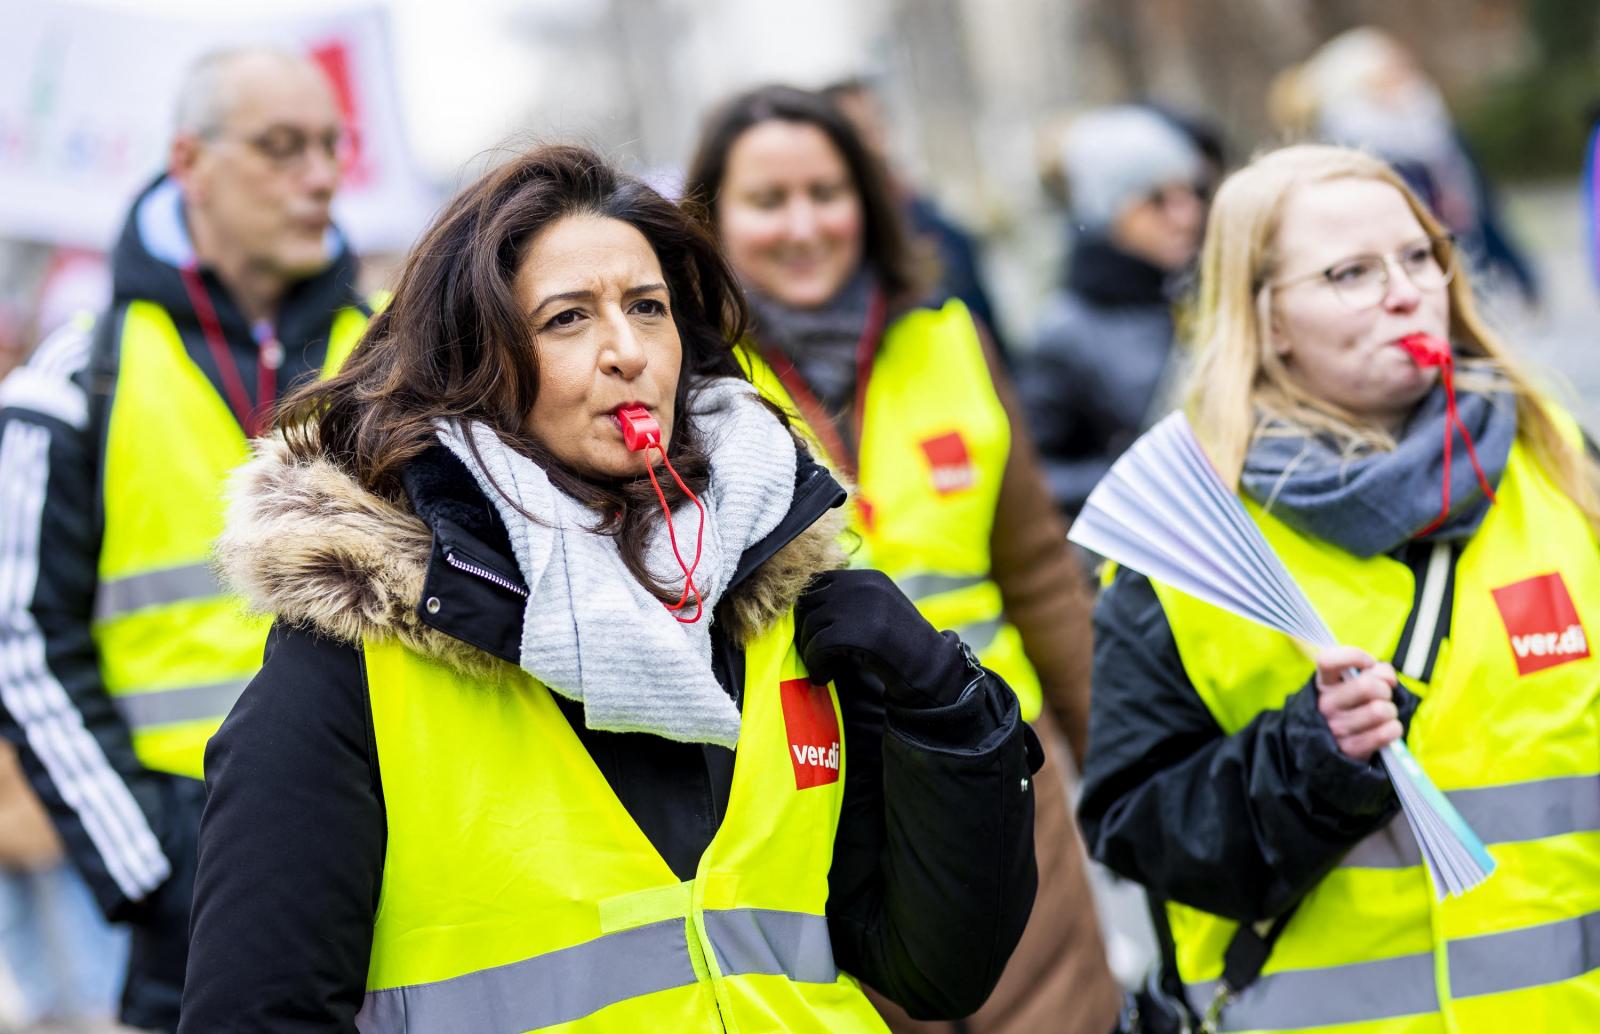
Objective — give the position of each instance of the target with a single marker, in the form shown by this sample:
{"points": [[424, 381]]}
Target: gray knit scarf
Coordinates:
{"points": [[590, 630], [1374, 502], [821, 342]]}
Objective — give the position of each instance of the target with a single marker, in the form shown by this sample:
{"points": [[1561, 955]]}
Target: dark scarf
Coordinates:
{"points": [[1374, 502], [820, 342], [1110, 277]]}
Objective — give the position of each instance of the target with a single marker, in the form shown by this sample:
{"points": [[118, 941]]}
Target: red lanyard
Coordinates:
{"points": [[812, 409], [269, 356]]}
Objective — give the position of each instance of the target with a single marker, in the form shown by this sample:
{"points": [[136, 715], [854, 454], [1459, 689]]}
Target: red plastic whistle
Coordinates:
{"points": [[1427, 350], [640, 431]]}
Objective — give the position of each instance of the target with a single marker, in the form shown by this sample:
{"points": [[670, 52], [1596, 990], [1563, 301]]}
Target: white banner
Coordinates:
{"points": [[86, 102]]}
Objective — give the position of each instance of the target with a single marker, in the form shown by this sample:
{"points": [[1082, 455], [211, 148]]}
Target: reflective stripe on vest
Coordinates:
{"points": [[175, 651], [1499, 815], [935, 440], [571, 983], [1507, 734], [1362, 992], [760, 940], [172, 706], [921, 586], [1357, 993], [154, 588], [587, 924]]}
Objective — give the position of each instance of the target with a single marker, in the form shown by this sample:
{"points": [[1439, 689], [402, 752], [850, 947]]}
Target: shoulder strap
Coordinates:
{"points": [[1171, 983], [1433, 569], [1246, 956]]}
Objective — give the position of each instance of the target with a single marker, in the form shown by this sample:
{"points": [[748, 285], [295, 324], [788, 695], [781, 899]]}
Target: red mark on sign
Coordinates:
{"points": [[333, 57]]}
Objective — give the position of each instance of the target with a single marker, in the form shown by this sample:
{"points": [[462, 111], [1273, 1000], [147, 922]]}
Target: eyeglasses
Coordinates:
{"points": [[1362, 281], [289, 149]]}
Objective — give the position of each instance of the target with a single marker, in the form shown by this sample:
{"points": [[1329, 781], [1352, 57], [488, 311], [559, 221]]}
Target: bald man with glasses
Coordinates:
{"points": [[119, 651]]}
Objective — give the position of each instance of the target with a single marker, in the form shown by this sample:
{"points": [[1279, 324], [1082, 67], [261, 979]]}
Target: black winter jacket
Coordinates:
{"points": [[1239, 825], [933, 873], [1096, 373]]}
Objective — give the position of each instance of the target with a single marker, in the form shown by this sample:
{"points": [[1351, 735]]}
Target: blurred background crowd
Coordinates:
{"points": [[1055, 158]]}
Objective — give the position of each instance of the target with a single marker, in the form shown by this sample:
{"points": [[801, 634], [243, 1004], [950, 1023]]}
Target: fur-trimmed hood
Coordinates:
{"points": [[306, 543]]}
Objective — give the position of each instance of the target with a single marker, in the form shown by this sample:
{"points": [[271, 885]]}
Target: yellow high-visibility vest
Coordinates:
{"points": [[175, 649], [519, 894], [932, 455], [1509, 729]]}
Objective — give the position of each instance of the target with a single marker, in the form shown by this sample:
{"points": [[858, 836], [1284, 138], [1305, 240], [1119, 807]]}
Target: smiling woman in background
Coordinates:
{"points": [[905, 397], [527, 751], [1238, 779]]}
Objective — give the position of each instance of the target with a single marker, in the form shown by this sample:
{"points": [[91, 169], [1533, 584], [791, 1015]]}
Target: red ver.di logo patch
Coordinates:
{"points": [[949, 463], [813, 728], [1542, 623]]}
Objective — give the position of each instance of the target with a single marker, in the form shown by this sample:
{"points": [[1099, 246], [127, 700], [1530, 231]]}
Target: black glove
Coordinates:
{"points": [[861, 620]]}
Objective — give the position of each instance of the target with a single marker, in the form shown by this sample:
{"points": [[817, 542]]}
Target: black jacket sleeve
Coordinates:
{"points": [[1240, 826], [291, 850], [933, 874], [124, 826]]}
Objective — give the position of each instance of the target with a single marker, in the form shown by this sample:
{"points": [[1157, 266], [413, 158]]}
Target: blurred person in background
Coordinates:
{"points": [[13, 339], [1363, 88], [906, 397], [1237, 776], [1206, 135], [229, 283], [20, 263], [514, 762], [65, 961], [75, 280], [960, 272], [1101, 369]]}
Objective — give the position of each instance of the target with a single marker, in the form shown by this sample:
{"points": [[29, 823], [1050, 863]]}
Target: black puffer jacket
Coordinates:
{"points": [[933, 872]]}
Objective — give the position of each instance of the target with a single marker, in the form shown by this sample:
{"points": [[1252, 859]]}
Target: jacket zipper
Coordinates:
{"points": [[483, 572]]}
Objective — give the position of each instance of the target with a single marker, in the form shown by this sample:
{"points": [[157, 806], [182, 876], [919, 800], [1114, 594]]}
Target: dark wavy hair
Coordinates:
{"points": [[887, 247], [454, 343]]}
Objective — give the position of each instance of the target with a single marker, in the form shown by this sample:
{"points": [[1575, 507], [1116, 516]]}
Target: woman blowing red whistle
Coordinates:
{"points": [[1342, 366], [545, 739]]}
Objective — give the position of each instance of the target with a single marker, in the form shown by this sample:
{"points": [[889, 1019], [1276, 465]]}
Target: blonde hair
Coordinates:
{"points": [[1240, 385], [1353, 63]]}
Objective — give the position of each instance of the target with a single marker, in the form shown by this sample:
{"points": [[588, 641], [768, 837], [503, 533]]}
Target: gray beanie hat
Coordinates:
{"points": [[1114, 157]]}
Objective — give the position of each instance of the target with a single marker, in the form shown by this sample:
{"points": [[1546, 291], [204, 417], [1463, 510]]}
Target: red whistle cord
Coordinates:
{"points": [[1430, 351], [689, 588], [641, 433]]}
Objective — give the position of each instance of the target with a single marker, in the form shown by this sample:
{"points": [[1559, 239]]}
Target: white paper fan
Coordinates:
{"points": [[1163, 511]]}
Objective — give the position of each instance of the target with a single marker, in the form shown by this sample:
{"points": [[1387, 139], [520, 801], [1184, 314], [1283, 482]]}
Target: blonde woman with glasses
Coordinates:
{"points": [[1441, 513]]}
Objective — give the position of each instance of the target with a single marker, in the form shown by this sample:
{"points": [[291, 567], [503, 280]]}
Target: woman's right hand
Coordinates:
{"points": [[1359, 709]]}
